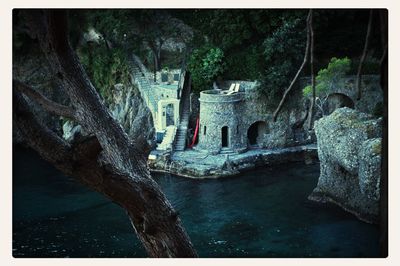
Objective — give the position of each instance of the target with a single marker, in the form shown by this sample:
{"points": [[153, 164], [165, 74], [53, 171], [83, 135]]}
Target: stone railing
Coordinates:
{"points": [[220, 96]]}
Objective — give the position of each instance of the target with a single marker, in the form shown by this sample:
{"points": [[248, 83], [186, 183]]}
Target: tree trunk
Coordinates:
{"points": [[155, 71], [383, 27], [156, 50], [363, 56], [157, 60], [312, 106], [110, 162], [285, 94]]}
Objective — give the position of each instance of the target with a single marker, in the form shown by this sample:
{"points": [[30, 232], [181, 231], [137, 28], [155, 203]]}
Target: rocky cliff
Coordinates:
{"points": [[127, 105], [349, 149], [129, 109]]}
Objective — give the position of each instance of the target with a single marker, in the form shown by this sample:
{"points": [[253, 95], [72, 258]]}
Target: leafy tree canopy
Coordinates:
{"points": [[330, 76], [205, 64]]}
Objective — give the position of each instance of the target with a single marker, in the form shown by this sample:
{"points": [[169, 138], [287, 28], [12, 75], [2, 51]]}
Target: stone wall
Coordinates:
{"points": [[371, 91], [194, 109], [248, 119], [244, 85], [164, 92]]}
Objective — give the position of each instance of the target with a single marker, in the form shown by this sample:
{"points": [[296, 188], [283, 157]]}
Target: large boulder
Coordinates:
{"points": [[349, 149]]}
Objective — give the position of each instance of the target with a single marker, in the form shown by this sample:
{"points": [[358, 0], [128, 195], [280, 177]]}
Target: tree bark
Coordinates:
{"points": [[155, 68], [47, 104], [383, 27], [285, 94], [110, 162], [312, 105], [156, 50], [363, 56], [157, 61]]}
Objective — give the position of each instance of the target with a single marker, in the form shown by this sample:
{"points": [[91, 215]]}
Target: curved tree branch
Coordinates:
{"points": [[364, 55], [310, 118], [285, 94], [48, 105], [383, 33], [38, 136]]}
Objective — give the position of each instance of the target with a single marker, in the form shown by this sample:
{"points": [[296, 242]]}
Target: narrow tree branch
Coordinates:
{"points": [[50, 146], [48, 105], [310, 25], [285, 94], [383, 28], [364, 54]]}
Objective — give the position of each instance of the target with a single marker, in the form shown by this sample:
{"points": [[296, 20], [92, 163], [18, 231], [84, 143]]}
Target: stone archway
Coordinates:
{"points": [[338, 100], [255, 133]]}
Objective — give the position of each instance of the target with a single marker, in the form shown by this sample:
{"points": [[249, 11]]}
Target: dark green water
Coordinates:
{"points": [[263, 213]]}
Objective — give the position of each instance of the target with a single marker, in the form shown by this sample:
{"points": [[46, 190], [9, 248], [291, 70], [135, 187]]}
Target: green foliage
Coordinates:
{"points": [[330, 76], [283, 52], [105, 67], [239, 33], [307, 91], [205, 64], [246, 64]]}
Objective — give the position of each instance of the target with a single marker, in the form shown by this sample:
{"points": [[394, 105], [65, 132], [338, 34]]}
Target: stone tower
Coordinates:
{"points": [[220, 120]]}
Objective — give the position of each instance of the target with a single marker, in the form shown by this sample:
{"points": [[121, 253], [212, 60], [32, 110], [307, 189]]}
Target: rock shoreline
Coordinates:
{"points": [[323, 198], [201, 165]]}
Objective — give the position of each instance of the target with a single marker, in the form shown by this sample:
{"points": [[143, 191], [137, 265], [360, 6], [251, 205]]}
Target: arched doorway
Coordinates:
{"points": [[225, 136], [338, 100], [169, 110], [255, 133]]}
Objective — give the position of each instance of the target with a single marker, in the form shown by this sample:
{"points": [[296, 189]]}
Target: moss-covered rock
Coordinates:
{"points": [[349, 144]]}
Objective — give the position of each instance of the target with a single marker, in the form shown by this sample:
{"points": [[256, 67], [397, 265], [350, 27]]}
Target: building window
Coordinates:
{"points": [[225, 136], [205, 130]]}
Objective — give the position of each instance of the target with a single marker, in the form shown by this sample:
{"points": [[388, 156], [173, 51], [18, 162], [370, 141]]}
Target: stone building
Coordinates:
{"points": [[236, 121], [229, 122]]}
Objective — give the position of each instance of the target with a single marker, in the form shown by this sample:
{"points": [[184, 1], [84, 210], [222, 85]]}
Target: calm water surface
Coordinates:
{"points": [[263, 213]]}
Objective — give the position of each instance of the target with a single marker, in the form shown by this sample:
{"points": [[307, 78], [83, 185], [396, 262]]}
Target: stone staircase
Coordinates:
{"points": [[181, 132], [139, 76], [226, 150]]}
